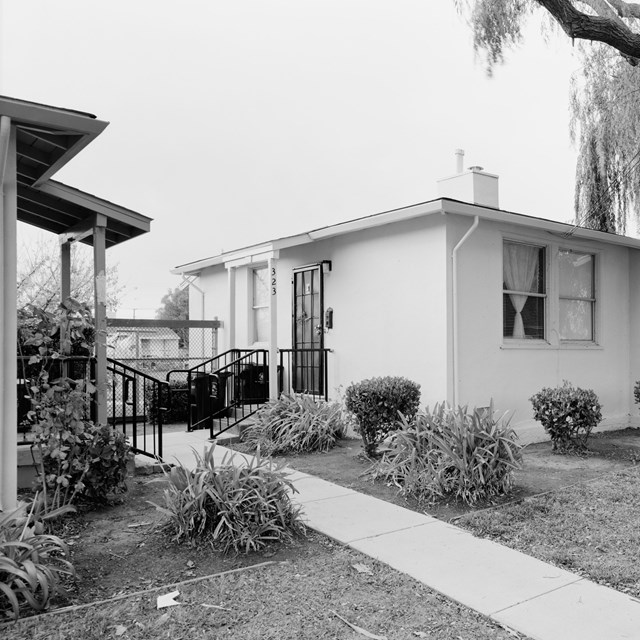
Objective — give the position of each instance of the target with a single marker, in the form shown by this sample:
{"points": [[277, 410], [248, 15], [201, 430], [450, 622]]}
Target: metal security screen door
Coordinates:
{"points": [[308, 330]]}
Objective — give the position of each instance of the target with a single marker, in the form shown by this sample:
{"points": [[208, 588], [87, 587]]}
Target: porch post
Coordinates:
{"points": [[273, 329], [231, 327], [8, 318], [65, 291], [65, 270], [100, 315]]}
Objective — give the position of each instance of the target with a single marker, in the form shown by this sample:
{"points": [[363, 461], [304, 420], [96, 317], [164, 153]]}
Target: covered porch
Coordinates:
{"points": [[36, 140]]}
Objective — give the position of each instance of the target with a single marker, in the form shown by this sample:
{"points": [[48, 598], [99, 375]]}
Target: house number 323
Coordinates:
{"points": [[273, 281]]}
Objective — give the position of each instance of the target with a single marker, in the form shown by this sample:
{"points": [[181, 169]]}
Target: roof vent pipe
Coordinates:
{"points": [[459, 160]]}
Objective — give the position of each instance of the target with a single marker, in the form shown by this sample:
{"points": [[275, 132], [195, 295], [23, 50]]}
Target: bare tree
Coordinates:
{"points": [[39, 272]]}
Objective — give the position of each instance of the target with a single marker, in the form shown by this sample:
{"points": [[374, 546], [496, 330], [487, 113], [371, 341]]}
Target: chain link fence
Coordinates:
{"points": [[156, 347]]}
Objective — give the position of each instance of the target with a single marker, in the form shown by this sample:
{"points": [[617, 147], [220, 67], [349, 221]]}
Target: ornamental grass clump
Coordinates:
{"points": [[239, 508], [32, 563], [568, 414], [295, 424], [380, 405], [446, 452]]}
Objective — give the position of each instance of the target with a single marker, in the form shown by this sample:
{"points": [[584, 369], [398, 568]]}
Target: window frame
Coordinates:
{"points": [[593, 300], [552, 307], [253, 330], [545, 296]]}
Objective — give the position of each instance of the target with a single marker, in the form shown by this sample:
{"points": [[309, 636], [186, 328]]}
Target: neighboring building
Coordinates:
{"points": [[148, 343], [472, 302]]}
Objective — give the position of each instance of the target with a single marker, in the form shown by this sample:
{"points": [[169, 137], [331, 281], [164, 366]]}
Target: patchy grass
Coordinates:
{"points": [[590, 529], [295, 599]]}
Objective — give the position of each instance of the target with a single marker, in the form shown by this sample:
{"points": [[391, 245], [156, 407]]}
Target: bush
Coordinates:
{"points": [[31, 563], [180, 403], [239, 508], [636, 392], [452, 452], [567, 413], [378, 404], [78, 458], [295, 423]]}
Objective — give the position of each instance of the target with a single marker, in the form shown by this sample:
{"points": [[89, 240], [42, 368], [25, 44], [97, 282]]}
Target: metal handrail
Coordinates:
{"points": [[203, 363], [131, 377]]}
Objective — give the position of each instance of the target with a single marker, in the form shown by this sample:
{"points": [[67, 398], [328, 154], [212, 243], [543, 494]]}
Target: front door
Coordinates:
{"points": [[308, 330]]}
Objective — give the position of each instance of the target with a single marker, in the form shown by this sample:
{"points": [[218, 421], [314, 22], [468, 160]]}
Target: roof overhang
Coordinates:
{"points": [[444, 206], [46, 139]]}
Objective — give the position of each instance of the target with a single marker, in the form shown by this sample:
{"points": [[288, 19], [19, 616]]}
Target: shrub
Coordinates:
{"points": [[567, 413], [636, 392], [180, 403], [452, 452], [295, 423], [378, 404], [77, 457], [239, 508], [31, 563]]}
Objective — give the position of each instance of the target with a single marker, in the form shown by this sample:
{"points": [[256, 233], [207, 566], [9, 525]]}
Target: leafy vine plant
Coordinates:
{"points": [[73, 456]]}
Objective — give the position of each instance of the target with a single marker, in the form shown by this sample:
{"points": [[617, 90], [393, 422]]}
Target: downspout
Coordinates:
{"points": [[454, 295]]}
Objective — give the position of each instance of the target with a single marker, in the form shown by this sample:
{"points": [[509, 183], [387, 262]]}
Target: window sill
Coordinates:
{"points": [[543, 344]]}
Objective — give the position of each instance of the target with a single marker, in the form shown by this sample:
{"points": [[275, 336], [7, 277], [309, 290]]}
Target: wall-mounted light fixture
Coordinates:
{"points": [[326, 266]]}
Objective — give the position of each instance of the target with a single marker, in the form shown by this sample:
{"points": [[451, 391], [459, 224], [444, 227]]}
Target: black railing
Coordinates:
{"points": [[137, 403], [306, 371], [223, 391]]}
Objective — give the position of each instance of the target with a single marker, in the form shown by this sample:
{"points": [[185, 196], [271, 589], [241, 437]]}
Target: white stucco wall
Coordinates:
{"points": [[494, 368], [387, 288], [388, 291]]}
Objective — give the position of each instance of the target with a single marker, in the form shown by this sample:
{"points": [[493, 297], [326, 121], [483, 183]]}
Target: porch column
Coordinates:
{"points": [[100, 315], [273, 329], [65, 270], [8, 318], [231, 326], [65, 292]]}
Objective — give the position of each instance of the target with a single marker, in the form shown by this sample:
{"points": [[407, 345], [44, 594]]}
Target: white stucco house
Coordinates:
{"points": [[472, 302]]}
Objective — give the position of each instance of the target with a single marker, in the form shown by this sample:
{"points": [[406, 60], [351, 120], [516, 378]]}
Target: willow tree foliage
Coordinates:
{"points": [[605, 93]]}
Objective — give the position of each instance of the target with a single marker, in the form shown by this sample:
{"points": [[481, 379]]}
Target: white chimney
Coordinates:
{"points": [[474, 185]]}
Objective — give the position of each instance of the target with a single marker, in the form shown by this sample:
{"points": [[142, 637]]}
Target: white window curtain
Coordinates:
{"points": [[520, 268]]}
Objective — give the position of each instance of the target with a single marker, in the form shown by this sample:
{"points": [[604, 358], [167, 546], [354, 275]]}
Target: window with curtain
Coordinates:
{"points": [[524, 291], [260, 305], [577, 295]]}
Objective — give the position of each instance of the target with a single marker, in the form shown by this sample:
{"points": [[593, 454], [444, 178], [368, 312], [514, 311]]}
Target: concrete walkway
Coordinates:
{"points": [[516, 590]]}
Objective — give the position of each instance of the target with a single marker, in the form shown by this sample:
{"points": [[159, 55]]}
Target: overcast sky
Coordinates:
{"points": [[238, 121]]}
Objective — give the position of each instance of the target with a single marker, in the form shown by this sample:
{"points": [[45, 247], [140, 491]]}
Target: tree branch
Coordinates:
{"points": [[608, 30]]}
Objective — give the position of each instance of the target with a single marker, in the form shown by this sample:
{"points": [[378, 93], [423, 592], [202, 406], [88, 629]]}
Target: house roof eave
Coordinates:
{"points": [[438, 205]]}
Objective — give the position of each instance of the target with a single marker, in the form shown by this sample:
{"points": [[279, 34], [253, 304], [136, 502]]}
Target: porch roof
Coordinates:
{"points": [[438, 205], [47, 138]]}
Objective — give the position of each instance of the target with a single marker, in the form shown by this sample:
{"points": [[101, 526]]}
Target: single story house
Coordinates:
{"points": [[144, 342], [472, 302]]}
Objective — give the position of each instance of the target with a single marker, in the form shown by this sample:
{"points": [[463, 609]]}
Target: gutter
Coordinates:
{"points": [[454, 295]]}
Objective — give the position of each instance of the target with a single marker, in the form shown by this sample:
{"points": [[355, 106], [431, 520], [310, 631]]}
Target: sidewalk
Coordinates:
{"points": [[525, 594]]}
